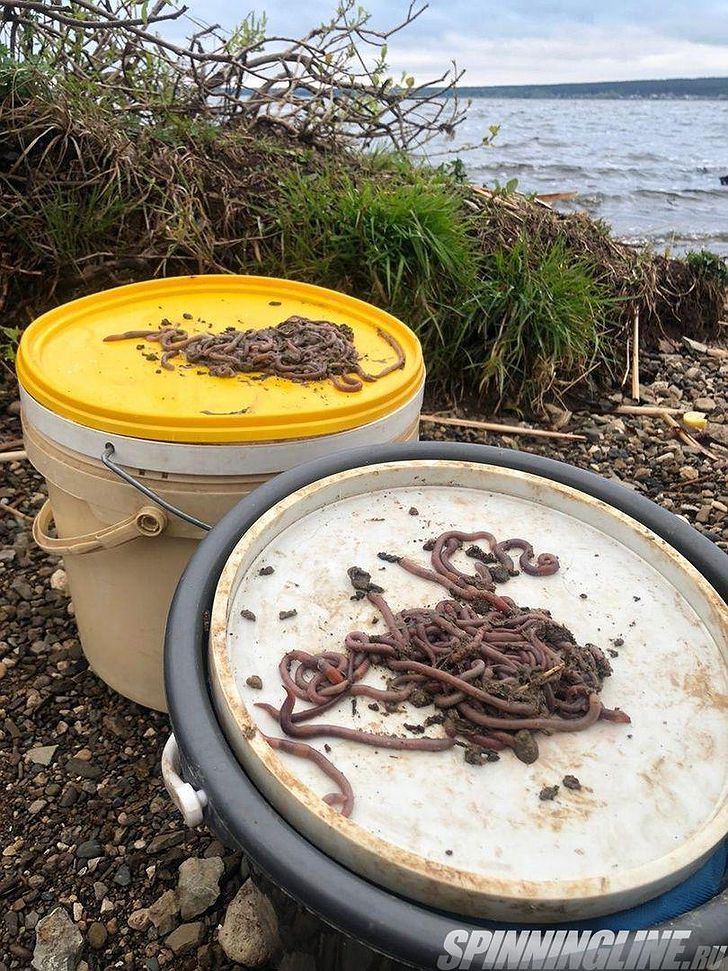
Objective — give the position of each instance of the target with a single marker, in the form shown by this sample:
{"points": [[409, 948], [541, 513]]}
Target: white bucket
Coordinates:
{"points": [[115, 498]]}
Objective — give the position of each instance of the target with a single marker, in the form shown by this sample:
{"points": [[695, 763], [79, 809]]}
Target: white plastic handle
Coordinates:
{"points": [[191, 802]]}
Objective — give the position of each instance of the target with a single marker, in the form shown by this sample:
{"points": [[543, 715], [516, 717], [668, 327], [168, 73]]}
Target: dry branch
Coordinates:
{"points": [[488, 426], [332, 84]]}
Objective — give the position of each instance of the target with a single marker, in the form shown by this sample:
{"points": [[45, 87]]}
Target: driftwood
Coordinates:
{"points": [[687, 439], [655, 411], [636, 356], [488, 426]]}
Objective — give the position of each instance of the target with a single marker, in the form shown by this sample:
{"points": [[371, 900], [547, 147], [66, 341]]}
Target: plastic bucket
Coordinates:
{"points": [[125, 551], [205, 777]]}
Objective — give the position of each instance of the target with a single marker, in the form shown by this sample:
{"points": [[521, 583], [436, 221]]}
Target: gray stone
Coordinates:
{"points": [[89, 850], [184, 937], [100, 890], [198, 886], [57, 942], [42, 755], [123, 876], [249, 934], [703, 404]]}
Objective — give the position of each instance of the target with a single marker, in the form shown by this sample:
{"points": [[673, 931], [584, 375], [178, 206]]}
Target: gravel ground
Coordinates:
{"points": [[94, 862]]}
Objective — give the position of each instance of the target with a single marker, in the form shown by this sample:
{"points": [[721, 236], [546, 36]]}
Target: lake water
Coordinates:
{"points": [[651, 169]]}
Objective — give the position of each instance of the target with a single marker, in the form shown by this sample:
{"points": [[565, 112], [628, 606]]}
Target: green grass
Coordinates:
{"points": [[511, 322], [544, 317]]}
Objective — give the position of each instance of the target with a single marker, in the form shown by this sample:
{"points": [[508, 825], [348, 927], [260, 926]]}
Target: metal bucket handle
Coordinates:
{"points": [[147, 521], [125, 476]]}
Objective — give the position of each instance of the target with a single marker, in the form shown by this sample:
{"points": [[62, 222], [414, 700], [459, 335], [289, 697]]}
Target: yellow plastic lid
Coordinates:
{"points": [[65, 365]]}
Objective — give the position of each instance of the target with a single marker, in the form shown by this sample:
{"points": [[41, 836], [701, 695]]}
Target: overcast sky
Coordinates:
{"points": [[529, 41]]}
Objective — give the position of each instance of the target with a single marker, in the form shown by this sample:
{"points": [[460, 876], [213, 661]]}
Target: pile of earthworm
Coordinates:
{"points": [[297, 349], [494, 672]]}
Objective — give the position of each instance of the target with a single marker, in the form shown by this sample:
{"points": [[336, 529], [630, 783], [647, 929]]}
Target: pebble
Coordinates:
{"points": [[198, 885], [164, 841], [688, 473], [59, 581], [123, 876], [703, 404], [57, 942], [43, 755], [249, 934], [97, 935], [100, 890], [163, 911], [184, 938], [89, 849], [86, 770], [139, 919]]}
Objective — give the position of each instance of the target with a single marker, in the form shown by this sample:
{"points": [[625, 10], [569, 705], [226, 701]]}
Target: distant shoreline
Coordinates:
{"points": [[669, 89]]}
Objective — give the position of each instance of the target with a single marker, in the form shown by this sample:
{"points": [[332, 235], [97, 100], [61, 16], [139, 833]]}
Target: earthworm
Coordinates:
{"points": [[283, 717], [494, 671], [346, 796], [297, 349]]}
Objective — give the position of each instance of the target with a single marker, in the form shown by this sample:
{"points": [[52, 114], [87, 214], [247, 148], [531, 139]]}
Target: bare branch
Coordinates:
{"points": [[329, 84]]}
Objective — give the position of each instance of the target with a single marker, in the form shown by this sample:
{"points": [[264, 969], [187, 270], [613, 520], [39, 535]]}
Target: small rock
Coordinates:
{"points": [[97, 935], [703, 404], [703, 514], [198, 886], [719, 433], [122, 876], [3, 669], [184, 937], [42, 755], [59, 581], [87, 770], [695, 345], [36, 806], [89, 850], [249, 934], [57, 942], [100, 890], [139, 919], [688, 473], [163, 911], [165, 840]]}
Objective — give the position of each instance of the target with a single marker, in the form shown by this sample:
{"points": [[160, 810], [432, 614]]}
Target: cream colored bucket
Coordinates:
{"points": [[124, 555], [122, 503]]}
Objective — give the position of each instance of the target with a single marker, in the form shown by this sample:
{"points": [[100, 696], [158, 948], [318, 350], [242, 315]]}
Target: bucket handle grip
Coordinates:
{"points": [[191, 802], [147, 521], [108, 461]]}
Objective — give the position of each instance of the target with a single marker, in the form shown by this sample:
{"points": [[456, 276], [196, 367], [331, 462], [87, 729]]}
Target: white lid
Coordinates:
{"points": [[654, 797]]}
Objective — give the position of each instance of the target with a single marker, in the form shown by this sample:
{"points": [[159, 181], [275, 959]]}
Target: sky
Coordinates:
{"points": [[527, 41]]}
